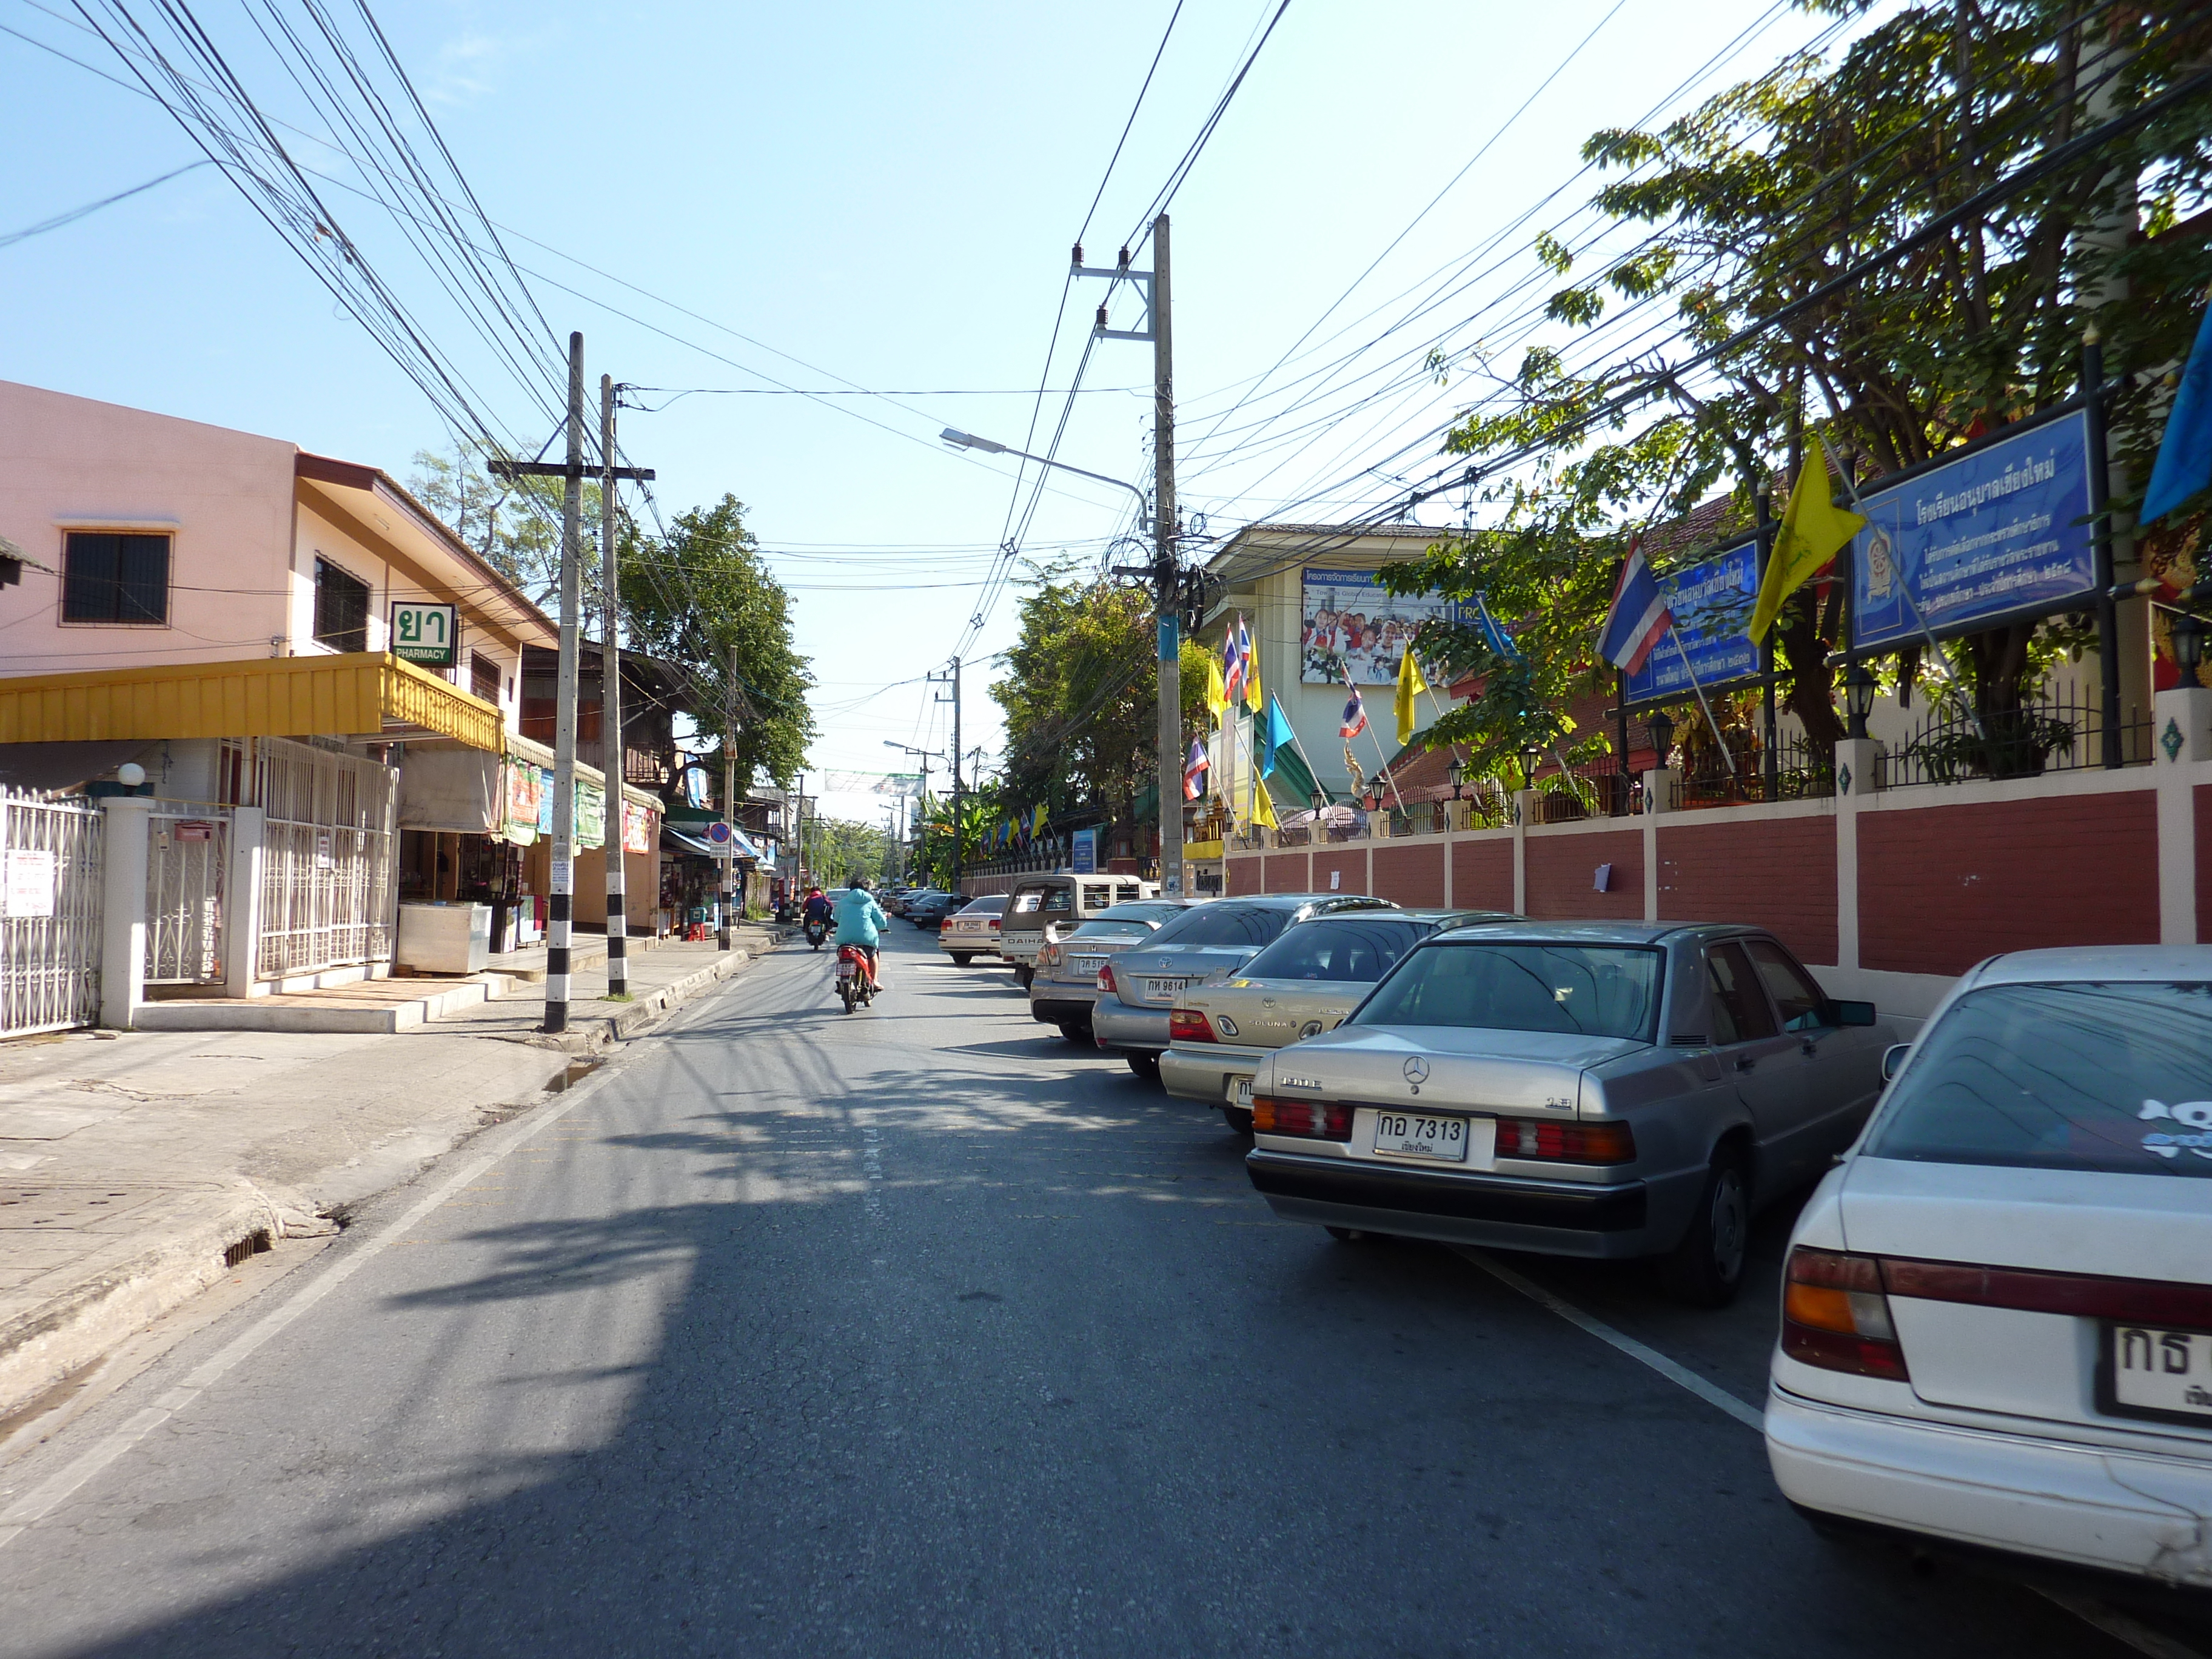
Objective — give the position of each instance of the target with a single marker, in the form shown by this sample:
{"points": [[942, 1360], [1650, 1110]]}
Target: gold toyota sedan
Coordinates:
{"points": [[1300, 986]]}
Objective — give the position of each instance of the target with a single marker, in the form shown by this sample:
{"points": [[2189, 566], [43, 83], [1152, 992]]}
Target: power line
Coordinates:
{"points": [[77, 213]]}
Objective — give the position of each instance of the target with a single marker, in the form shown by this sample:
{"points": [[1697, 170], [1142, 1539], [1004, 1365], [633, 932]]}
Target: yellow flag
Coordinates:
{"points": [[1813, 528], [1263, 805], [1410, 686], [1252, 693], [1217, 690]]}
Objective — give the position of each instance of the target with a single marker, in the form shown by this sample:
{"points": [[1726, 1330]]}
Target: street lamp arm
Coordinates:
{"points": [[960, 440]]}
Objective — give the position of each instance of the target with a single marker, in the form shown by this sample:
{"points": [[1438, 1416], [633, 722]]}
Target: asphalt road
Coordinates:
{"points": [[921, 1332]]}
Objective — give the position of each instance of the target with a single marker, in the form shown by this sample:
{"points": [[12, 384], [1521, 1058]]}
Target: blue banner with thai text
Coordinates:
{"points": [[1995, 536], [1711, 602]]}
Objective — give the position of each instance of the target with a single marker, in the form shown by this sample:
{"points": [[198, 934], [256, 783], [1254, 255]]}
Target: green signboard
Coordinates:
{"points": [[425, 634]]}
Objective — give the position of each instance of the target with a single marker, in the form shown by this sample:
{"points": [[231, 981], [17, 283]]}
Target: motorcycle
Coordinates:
{"points": [[815, 933], [854, 986]]}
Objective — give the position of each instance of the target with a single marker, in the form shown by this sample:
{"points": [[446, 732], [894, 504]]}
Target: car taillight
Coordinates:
{"points": [[1565, 1143], [1190, 1025], [1835, 1315], [995, 924], [1106, 980], [1048, 956], [1315, 1120], [945, 924]]}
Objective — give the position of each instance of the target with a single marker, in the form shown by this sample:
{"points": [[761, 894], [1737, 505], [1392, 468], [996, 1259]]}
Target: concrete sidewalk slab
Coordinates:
{"points": [[135, 1166]]}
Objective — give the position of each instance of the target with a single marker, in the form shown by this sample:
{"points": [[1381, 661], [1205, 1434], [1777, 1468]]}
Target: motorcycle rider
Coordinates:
{"points": [[862, 921], [816, 908]]}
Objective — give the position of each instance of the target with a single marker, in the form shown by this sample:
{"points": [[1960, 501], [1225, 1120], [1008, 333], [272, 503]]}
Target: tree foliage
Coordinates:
{"points": [[838, 849], [1754, 201]]}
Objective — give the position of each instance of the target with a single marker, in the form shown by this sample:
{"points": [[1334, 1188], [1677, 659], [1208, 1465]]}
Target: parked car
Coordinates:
{"points": [[926, 908], [1301, 985], [1042, 907], [1138, 989], [893, 900], [1606, 1089], [1066, 983], [1997, 1311], [973, 930]]}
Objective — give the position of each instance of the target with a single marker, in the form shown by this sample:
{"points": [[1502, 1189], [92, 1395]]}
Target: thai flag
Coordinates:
{"points": [[1193, 771], [1236, 657], [1639, 616], [1355, 714]]}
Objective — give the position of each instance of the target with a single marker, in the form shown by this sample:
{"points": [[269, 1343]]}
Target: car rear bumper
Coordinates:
{"points": [[1116, 1025], [950, 943], [1508, 1212], [1193, 1073], [2082, 1504], [1059, 1008]]}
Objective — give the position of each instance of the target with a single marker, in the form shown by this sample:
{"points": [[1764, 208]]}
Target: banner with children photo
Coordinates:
{"points": [[1354, 629]]}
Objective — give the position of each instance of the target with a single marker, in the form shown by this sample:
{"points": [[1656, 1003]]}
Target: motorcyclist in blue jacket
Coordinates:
{"points": [[862, 921]]}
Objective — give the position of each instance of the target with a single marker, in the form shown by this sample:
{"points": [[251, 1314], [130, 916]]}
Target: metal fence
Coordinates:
{"points": [[187, 872], [1802, 771], [2061, 730], [49, 914], [327, 853]]}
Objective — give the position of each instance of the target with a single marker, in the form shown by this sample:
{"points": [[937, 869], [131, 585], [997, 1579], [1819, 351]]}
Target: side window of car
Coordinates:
{"points": [[1797, 999], [1739, 1010], [1058, 900]]}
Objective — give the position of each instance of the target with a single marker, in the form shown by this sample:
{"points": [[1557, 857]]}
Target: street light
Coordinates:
{"points": [[960, 440], [1858, 700], [1531, 758], [1663, 737], [2188, 646]]}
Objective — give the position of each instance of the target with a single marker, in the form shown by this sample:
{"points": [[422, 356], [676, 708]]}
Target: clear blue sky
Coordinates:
{"points": [[886, 192]]}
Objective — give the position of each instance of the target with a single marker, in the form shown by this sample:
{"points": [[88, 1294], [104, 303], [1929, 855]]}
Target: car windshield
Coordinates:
{"points": [[1594, 990], [987, 907], [1109, 927], [2086, 1076], [1346, 952], [1226, 923]]}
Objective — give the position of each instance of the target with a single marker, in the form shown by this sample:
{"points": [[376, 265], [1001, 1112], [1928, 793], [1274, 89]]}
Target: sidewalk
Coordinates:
{"points": [[136, 1167]]}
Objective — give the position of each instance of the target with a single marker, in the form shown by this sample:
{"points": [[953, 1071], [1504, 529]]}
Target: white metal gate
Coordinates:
{"points": [[327, 855], [50, 912], [187, 871]]}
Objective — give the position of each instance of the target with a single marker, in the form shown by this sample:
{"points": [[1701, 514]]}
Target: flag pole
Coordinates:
{"points": [[1719, 742]]}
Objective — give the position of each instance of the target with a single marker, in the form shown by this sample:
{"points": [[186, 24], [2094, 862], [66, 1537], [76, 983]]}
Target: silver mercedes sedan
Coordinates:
{"points": [[1301, 985], [1605, 1088]]}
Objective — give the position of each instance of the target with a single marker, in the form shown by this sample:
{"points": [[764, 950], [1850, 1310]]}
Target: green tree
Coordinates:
{"points": [[1758, 198], [838, 849], [514, 527]]}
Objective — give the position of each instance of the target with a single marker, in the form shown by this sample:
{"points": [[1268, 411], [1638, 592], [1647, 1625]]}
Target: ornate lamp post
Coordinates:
{"points": [[1662, 736]]}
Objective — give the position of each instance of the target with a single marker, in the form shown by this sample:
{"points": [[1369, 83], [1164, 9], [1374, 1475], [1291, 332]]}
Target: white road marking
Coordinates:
{"points": [[1746, 1414], [42, 1499], [2120, 1626]]}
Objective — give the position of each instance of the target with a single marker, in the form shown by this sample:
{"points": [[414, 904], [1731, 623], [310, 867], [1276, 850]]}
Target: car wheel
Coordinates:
{"points": [[962, 958], [1147, 1066], [1239, 1119], [1706, 1268], [1023, 975], [1075, 1033]]}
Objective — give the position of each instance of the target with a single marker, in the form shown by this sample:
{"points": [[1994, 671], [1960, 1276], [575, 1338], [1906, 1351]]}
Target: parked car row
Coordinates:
{"points": [[1997, 1314]]}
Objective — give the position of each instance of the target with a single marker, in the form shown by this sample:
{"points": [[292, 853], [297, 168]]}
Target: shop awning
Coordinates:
{"points": [[358, 695], [676, 840]]}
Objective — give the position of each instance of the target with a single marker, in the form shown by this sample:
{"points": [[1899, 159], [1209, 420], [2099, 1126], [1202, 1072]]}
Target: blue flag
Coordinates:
{"points": [[2185, 454], [1495, 637], [1276, 735]]}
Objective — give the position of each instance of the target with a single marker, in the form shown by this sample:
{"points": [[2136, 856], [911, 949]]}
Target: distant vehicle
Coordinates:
{"points": [[1301, 985], [1138, 989], [973, 931], [928, 908], [1592, 1089], [1043, 907], [1066, 983], [1997, 1311]]}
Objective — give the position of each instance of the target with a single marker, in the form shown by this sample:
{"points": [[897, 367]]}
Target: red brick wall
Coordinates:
{"points": [[1561, 869], [1286, 873], [1771, 873], [1941, 887], [2203, 827], [1412, 876], [1244, 875], [1352, 862], [1482, 874]]}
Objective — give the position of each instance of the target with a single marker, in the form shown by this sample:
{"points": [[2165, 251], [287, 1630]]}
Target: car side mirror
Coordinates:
{"points": [[1893, 1059], [1852, 1013]]}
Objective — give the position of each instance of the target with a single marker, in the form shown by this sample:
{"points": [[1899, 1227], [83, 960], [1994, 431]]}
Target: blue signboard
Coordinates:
{"points": [[1083, 853], [1711, 601], [1991, 538]]}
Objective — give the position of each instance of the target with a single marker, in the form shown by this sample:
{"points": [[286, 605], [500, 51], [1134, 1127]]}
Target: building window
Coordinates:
{"points": [[341, 608], [484, 676], [111, 578]]}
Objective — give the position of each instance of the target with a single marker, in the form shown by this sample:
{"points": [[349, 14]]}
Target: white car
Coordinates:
{"points": [[1997, 1311], [967, 933]]}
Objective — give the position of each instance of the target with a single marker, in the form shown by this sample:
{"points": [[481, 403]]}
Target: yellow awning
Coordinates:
{"points": [[360, 695]]}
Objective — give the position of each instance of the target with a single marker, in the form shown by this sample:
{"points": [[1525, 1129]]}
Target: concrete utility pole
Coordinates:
{"points": [[611, 752], [951, 676], [729, 805], [560, 904]]}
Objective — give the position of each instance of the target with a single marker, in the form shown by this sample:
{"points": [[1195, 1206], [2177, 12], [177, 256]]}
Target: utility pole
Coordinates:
{"points": [[1165, 573], [560, 904], [611, 752], [951, 676], [729, 805]]}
